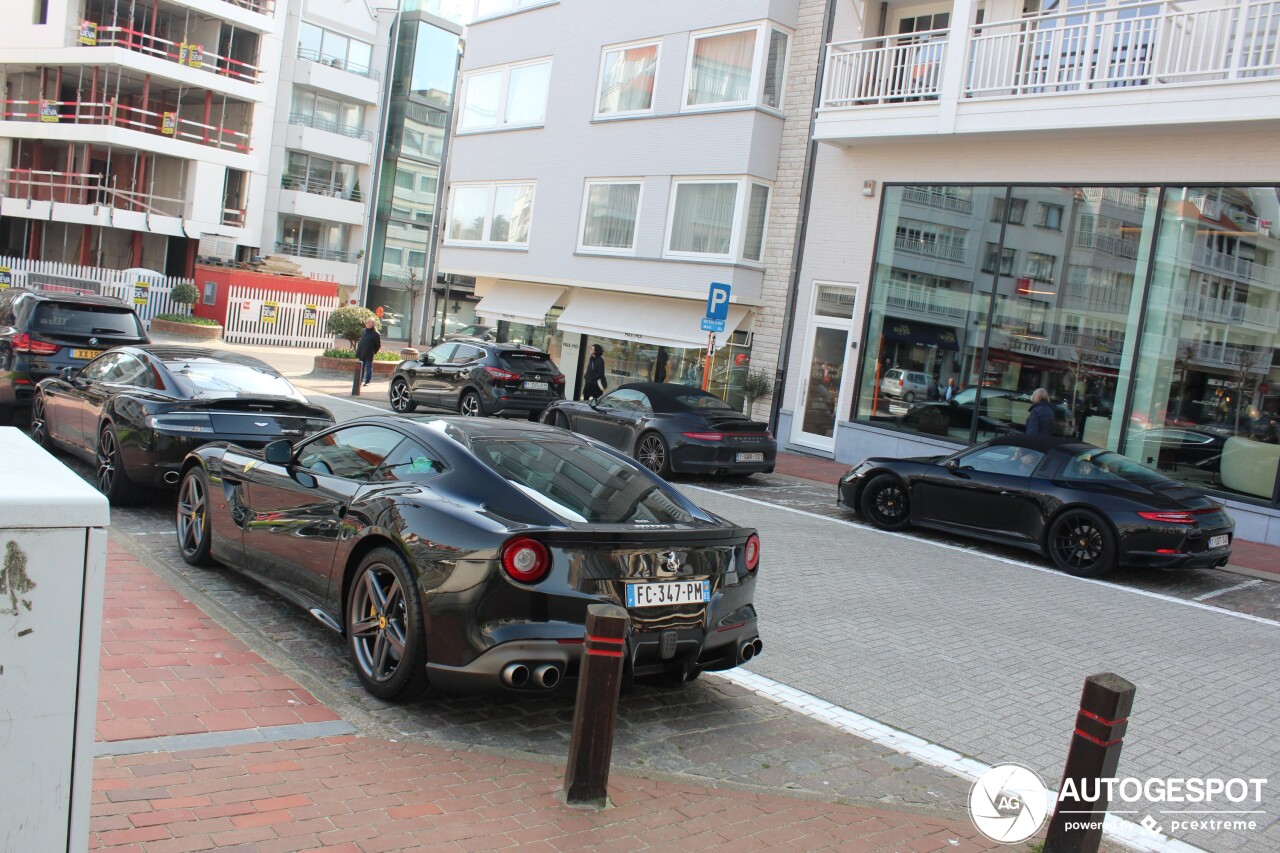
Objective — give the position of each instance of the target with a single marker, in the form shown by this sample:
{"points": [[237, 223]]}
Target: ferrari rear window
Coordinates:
{"points": [[579, 482]]}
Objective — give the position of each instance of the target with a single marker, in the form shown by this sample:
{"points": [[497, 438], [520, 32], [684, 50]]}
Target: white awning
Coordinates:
{"points": [[651, 319], [519, 302]]}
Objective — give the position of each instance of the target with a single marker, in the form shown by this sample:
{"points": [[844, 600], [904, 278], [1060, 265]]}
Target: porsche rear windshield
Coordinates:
{"points": [[74, 319], [580, 483], [1094, 465], [704, 402], [220, 378]]}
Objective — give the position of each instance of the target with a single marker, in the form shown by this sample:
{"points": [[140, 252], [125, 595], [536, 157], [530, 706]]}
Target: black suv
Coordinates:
{"points": [[477, 378], [43, 332]]}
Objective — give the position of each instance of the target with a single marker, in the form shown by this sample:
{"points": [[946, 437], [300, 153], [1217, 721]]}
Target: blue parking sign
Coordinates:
{"points": [[718, 301]]}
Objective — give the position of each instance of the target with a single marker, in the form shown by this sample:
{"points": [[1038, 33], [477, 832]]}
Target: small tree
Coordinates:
{"points": [[757, 384], [185, 295], [348, 322]]}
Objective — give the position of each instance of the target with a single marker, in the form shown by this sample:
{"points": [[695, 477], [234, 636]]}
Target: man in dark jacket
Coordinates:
{"points": [[593, 381], [369, 345], [1040, 418]]}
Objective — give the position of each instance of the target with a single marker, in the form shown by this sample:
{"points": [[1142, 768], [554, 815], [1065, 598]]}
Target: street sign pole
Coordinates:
{"points": [[714, 321], [706, 364]]}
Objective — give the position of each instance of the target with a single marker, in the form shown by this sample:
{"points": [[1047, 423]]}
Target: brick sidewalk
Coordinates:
{"points": [[169, 670]]}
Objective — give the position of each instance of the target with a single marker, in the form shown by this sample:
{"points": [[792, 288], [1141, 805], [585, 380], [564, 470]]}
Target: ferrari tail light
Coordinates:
{"points": [[704, 436], [502, 375], [25, 343], [751, 553], [1176, 516], [525, 560]]}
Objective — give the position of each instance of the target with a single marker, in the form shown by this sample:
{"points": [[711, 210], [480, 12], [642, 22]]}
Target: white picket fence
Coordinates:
{"points": [[148, 300], [256, 315]]}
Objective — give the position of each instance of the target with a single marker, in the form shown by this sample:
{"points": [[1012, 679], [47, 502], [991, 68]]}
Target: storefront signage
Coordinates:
{"points": [[168, 123], [268, 312], [1055, 353], [49, 111], [141, 292], [309, 315], [88, 33]]}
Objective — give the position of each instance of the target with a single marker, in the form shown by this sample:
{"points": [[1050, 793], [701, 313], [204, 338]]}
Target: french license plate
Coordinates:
{"points": [[536, 386], [658, 594], [749, 457], [1219, 541], [86, 353]]}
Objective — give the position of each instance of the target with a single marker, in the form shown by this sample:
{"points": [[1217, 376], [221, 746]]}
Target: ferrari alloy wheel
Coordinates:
{"points": [[470, 405], [1082, 544], [192, 519], [111, 478], [39, 429], [384, 628], [400, 400], [885, 503], [652, 453]]}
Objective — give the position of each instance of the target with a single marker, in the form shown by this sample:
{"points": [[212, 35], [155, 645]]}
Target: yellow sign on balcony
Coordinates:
{"points": [[88, 33], [49, 111], [168, 123], [191, 54]]}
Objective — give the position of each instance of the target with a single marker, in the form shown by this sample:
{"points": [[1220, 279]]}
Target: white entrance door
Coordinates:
{"points": [[821, 396]]}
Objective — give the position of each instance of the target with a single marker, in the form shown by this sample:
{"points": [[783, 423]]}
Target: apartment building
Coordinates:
{"points": [[1079, 196], [609, 162]]}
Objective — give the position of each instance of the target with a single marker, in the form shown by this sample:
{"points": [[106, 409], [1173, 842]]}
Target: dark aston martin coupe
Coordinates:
{"points": [[136, 412], [462, 553], [1088, 509], [671, 428]]}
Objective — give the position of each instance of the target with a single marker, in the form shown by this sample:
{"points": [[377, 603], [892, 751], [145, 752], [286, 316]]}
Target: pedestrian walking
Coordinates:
{"points": [[369, 345], [593, 381], [1040, 418], [951, 390]]}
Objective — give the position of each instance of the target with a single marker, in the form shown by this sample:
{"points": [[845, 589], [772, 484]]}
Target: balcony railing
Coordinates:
{"points": [[941, 303], [233, 216], [1236, 267], [1106, 243], [88, 188], [1255, 361], [337, 62], [302, 250], [1117, 196], [158, 122], [262, 7], [191, 55], [1101, 298], [935, 197], [929, 248], [307, 120], [1101, 49], [318, 187]]}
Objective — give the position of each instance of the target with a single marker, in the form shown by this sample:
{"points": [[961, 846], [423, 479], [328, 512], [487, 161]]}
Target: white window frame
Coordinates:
{"points": [[492, 188], [504, 91], [582, 218], [764, 31], [657, 70], [738, 231]]}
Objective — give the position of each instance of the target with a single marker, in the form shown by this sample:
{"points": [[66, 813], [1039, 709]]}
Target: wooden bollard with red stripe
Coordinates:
{"points": [[586, 778], [1101, 723]]}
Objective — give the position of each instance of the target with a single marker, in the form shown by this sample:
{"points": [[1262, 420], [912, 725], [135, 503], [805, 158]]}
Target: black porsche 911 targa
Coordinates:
{"points": [[462, 553], [1088, 509], [136, 411]]}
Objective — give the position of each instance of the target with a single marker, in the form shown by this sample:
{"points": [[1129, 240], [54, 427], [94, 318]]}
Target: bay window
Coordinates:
{"points": [[721, 219], [744, 66], [493, 214], [627, 74]]}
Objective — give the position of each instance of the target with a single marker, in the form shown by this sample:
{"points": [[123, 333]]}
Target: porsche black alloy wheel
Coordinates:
{"points": [[885, 503], [1082, 544], [384, 628], [192, 520]]}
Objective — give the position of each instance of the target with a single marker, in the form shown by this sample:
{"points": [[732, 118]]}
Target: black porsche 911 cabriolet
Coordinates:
{"points": [[462, 553], [1088, 509]]}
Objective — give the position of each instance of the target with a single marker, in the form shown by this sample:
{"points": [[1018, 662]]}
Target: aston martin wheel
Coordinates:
{"points": [[192, 519], [39, 429], [885, 503], [111, 478], [469, 406], [384, 628], [1082, 544], [652, 452], [400, 400]]}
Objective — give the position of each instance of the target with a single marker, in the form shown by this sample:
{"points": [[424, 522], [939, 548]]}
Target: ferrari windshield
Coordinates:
{"points": [[580, 483]]}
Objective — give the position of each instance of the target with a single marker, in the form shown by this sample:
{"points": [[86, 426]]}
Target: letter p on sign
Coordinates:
{"points": [[718, 301]]}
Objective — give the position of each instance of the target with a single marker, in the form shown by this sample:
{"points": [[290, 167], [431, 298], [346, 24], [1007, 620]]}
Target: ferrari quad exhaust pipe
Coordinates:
{"points": [[546, 676], [746, 652], [171, 477], [515, 675], [756, 646]]}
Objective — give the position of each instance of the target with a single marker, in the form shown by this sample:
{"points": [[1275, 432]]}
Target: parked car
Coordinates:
{"points": [[672, 428], [478, 378], [1172, 448], [135, 412], [484, 333], [462, 554], [43, 332], [1088, 509], [909, 385]]}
